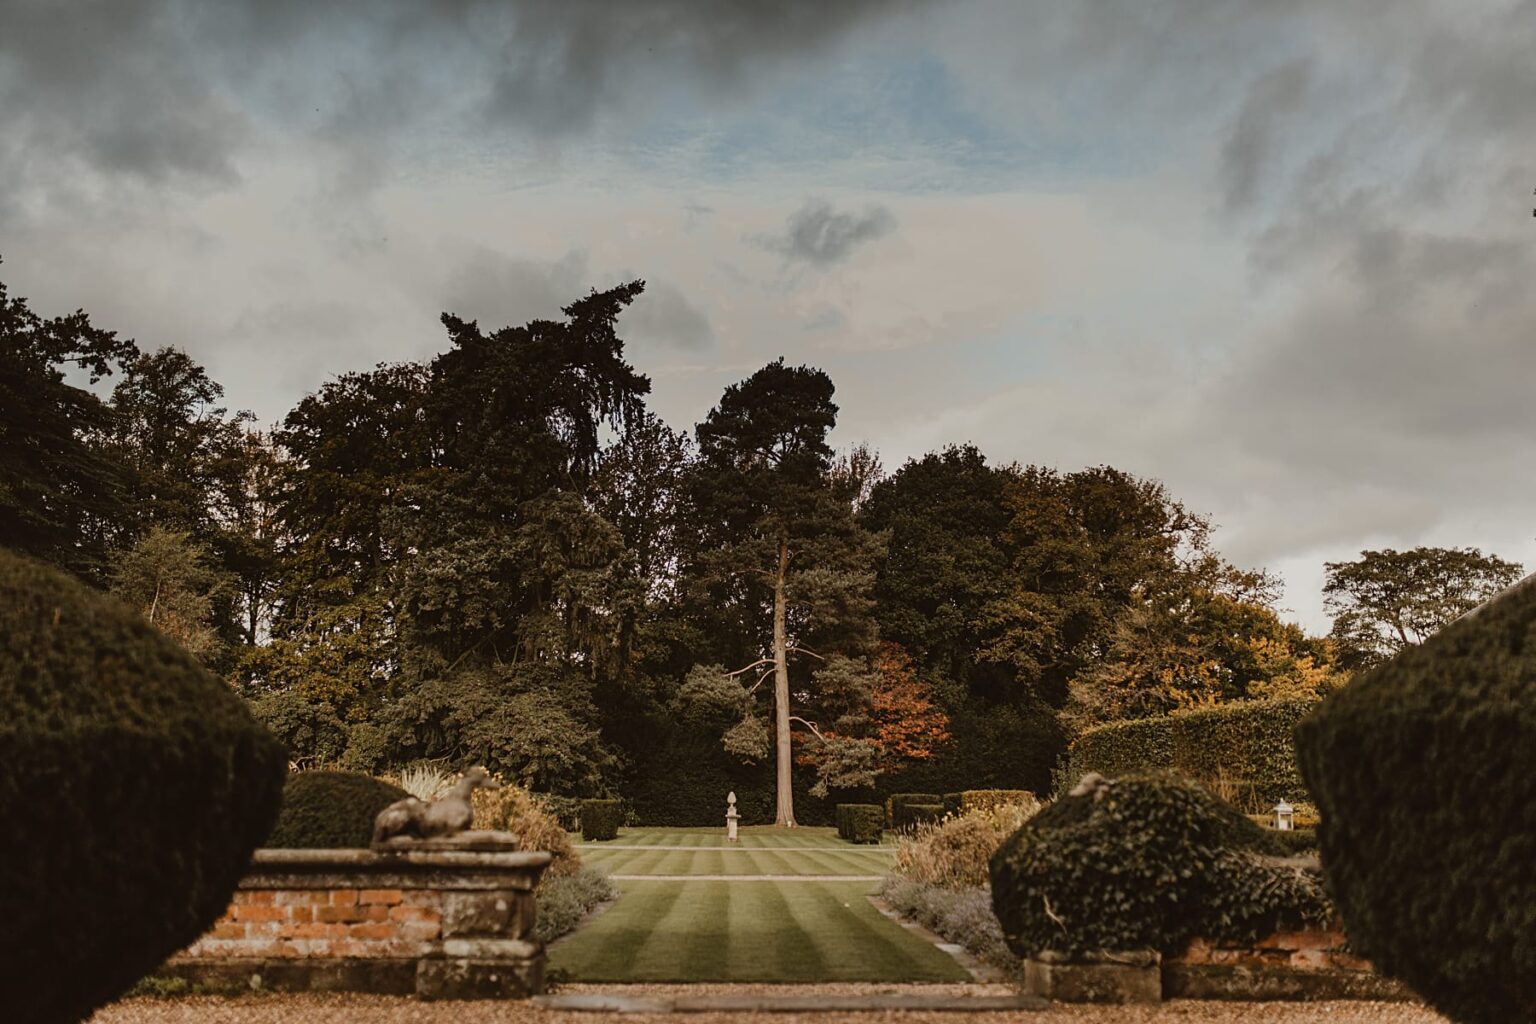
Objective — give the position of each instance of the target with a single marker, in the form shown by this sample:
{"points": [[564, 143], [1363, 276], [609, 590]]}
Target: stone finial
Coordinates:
{"points": [[448, 815]]}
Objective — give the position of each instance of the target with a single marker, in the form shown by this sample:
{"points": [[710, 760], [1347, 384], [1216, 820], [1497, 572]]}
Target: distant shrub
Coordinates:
{"points": [[133, 787], [896, 800], [600, 820], [1145, 862], [564, 899], [367, 750], [1245, 747], [1424, 770], [330, 810], [962, 916], [956, 852], [309, 729], [513, 809], [860, 823], [909, 816]]}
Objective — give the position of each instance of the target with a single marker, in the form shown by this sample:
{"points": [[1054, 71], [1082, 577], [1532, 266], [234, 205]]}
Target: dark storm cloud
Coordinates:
{"points": [[175, 90], [821, 236], [1249, 150]]}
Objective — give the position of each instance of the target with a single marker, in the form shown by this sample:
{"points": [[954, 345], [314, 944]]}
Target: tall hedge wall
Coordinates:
{"points": [[1424, 773], [1251, 741], [133, 788]]}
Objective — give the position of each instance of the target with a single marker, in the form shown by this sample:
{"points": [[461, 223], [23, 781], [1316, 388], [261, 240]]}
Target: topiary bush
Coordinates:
{"points": [[1424, 773], [600, 820], [896, 800], [906, 817], [330, 810], [1145, 862], [860, 823], [134, 787]]}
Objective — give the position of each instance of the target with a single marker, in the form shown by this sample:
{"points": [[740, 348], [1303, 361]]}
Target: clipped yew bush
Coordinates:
{"points": [[133, 786], [600, 820], [1146, 862], [860, 823], [1424, 773], [330, 810], [1249, 743]]}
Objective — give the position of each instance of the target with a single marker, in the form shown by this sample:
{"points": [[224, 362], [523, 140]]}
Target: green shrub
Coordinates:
{"points": [[600, 820], [563, 900], [1247, 745], [330, 810], [896, 800], [970, 800], [860, 823], [134, 787], [909, 816], [309, 729], [1424, 773], [951, 804], [955, 853], [962, 916], [1145, 862]]}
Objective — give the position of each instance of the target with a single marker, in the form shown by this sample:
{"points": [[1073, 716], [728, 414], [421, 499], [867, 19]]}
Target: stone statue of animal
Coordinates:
{"points": [[448, 815]]}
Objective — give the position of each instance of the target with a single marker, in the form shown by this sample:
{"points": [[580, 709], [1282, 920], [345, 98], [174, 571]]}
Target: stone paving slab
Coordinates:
{"points": [[602, 1002], [747, 878]]}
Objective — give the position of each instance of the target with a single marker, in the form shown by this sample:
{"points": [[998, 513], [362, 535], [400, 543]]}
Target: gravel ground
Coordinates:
{"points": [[358, 1009]]}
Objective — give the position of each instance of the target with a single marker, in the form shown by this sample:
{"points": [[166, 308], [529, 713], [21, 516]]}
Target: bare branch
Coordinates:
{"points": [[748, 668], [753, 688], [809, 725], [802, 650]]}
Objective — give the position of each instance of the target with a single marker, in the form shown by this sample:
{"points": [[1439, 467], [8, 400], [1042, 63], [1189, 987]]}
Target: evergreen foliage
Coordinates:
{"points": [[1247, 744], [600, 819], [860, 823], [1144, 863], [1424, 773], [134, 789], [327, 810]]}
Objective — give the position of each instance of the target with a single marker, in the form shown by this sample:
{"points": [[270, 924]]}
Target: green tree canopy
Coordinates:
{"points": [[1386, 600]]}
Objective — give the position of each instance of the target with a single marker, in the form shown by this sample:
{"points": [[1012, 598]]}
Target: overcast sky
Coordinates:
{"points": [[1279, 256]]}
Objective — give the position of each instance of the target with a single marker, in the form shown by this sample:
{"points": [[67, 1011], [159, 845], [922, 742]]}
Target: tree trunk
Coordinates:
{"points": [[784, 755]]}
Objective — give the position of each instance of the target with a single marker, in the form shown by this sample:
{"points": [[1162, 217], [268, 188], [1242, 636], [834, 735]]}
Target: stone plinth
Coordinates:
{"points": [[443, 919], [1133, 976]]}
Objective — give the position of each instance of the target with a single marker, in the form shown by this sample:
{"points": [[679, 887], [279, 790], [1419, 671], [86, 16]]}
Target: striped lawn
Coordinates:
{"points": [[748, 928], [799, 931]]}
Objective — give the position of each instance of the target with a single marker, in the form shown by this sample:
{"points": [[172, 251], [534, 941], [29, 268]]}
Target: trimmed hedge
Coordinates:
{"points": [[1424, 774], [1144, 863], [1249, 741], [134, 787], [896, 800], [906, 817], [983, 800], [330, 810], [860, 823], [600, 820]]}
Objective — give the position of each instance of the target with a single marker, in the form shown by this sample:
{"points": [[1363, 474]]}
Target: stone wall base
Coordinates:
{"points": [[1129, 977], [1277, 982], [429, 978]]}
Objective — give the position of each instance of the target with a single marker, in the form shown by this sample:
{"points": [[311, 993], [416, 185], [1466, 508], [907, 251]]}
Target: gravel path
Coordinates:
{"points": [[357, 1009]]}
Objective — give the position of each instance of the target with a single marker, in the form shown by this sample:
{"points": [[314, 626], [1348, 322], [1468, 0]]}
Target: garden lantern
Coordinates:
{"points": [[1285, 816]]}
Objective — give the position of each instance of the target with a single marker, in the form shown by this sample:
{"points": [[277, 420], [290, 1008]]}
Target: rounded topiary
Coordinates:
{"points": [[1424, 772], [600, 819], [330, 810], [133, 787], [1144, 863]]}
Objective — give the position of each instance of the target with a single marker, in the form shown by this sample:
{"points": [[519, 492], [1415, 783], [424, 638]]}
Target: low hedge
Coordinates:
{"points": [[983, 800], [1424, 774], [906, 817], [1250, 742], [896, 800], [860, 823], [1145, 863], [600, 820], [330, 810], [134, 787]]}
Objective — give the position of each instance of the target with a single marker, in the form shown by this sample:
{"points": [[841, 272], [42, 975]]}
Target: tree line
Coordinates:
{"points": [[501, 556]]}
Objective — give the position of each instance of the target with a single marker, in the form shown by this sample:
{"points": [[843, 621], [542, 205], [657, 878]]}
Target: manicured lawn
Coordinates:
{"points": [[745, 927]]}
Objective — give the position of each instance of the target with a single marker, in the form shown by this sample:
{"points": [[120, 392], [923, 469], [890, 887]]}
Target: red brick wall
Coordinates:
{"points": [[325, 923], [1320, 950]]}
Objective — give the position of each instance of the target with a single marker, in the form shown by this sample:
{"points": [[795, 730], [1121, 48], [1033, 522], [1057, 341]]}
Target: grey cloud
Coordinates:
{"points": [[821, 236], [664, 316], [500, 290], [1249, 149]]}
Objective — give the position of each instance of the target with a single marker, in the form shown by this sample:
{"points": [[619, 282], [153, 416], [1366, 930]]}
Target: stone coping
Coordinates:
{"points": [[764, 1002], [274, 860]]}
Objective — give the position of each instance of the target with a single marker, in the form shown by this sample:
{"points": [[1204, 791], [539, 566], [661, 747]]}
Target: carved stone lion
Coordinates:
{"points": [[448, 815]]}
